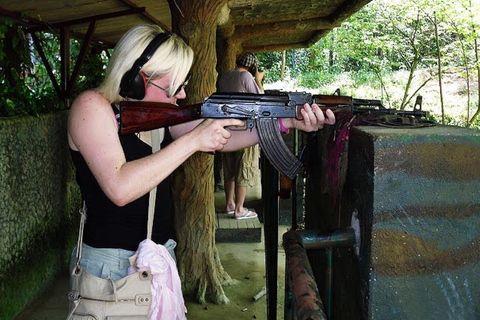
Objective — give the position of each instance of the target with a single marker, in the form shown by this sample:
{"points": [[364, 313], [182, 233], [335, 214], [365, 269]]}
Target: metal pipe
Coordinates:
{"points": [[329, 282], [307, 301], [338, 238], [328, 241], [298, 270]]}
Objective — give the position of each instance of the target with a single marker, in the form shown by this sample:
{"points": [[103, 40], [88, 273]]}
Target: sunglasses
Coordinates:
{"points": [[180, 88]]}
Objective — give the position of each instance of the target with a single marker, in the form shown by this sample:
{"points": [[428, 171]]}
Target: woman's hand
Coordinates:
{"points": [[313, 119], [210, 135]]}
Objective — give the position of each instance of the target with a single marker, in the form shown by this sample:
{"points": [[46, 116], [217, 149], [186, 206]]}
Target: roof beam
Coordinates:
{"points": [[60, 25], [81, 58], [147, 15], [275, 47], [317, 36], [248, 32], [18, 16], [319, 27], [348, 8], [38, 45]]}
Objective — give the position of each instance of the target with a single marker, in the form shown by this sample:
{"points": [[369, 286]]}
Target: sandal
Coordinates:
{"points": [[249, 215]]}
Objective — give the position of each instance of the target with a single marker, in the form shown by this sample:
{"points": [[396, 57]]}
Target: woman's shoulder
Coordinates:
{"points": [[89, 98], [90, 114], [89, 104], [91, 101]]}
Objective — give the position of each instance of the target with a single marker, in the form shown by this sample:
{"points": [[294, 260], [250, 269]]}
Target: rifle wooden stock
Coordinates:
{"points": [[136, 116]]}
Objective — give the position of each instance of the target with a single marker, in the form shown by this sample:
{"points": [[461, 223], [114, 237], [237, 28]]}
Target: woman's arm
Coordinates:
{"points": [[313, 119], [93, 130]]}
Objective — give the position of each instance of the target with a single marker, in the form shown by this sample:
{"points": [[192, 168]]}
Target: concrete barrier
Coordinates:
{"points": [[39, 201], [414, 197]]}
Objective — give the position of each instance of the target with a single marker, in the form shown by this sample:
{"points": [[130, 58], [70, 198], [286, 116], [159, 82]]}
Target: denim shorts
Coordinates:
{"points": [[108, 262]]}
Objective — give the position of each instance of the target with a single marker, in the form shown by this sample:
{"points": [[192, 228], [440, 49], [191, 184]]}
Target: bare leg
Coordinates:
{"points": [[229, 191], [240, 194]]}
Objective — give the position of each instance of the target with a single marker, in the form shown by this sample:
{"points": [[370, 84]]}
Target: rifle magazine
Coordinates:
{"points": [[275, 149]]}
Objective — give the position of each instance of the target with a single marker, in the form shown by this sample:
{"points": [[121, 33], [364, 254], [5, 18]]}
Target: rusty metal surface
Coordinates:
{"points": [[307, 301], [320, 240]]}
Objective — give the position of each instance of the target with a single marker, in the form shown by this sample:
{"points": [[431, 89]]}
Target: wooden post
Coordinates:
{"points": [[228, 51], [228, 46], [65, 63], [198, 261]]}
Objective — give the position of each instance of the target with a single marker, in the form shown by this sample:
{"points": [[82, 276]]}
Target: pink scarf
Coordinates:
{"points": [[167, 297]]}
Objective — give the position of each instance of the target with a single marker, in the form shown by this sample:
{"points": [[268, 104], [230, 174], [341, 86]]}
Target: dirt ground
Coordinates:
{"points": [[244, 262]]}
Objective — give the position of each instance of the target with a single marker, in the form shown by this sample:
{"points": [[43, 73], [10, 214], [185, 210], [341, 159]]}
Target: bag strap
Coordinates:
{"points": [[157, 138], [83, 217]]}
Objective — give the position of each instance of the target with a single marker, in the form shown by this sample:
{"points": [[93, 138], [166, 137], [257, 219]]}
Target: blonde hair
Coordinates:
{"points": [[173, 57]]}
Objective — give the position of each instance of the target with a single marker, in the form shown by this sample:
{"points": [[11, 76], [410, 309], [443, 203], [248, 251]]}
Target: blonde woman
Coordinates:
{"points": [[116, 173]]}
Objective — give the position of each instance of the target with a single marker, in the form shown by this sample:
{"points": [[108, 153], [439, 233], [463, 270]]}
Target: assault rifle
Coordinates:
{"points": [[257, 110]]}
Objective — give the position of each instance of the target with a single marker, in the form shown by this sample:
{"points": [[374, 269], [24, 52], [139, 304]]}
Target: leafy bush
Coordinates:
{"points": [[20, 93], [315, 80], [26, 88]]}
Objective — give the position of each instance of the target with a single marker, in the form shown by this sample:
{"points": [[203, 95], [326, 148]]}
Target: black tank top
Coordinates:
{"points": [[110, 226]]}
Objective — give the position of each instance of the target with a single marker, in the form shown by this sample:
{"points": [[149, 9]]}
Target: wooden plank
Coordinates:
{"points": [[230, 230]]}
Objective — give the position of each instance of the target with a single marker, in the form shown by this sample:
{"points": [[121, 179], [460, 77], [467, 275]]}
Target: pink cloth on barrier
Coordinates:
{"points": [[167, 297]]}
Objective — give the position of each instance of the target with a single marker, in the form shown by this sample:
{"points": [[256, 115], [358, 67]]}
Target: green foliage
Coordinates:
{"points": [[26, 88], [388, 51], [384, 35], [315, 79], [271, 61], [20, 93], [93, 69], [475, 124], [13, 55]]}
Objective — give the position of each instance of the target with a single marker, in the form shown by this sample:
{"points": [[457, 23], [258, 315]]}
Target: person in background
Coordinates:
{"points": [[241, 169]]}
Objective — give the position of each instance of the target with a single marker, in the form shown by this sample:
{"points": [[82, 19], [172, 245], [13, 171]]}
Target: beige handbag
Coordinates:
{"points": [[94, 298]]}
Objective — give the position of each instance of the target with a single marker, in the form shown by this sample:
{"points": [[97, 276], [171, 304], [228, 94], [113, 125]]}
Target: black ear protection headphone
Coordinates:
{"points": [[133, 84]]}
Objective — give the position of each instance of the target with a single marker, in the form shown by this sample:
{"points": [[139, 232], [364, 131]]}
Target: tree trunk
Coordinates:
{"points": [[477, 64], [467, 80], [227, 53], [284, 62], [439, 58], [198, 262], [330, 52], [413, 67]]}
